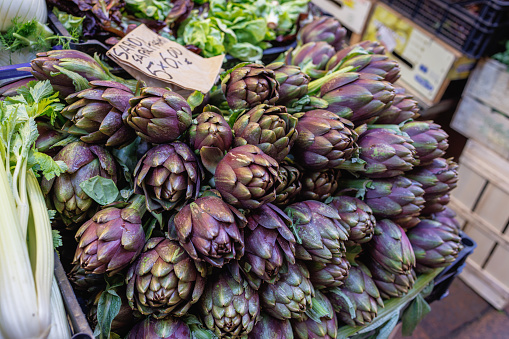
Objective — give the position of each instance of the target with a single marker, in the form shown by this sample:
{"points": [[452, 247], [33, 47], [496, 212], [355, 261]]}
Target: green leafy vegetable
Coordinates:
{"points": [[73, 24], [102, 190]]}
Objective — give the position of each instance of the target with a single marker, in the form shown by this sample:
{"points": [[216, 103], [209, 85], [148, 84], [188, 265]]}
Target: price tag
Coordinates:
{"points": [[165, 60]]}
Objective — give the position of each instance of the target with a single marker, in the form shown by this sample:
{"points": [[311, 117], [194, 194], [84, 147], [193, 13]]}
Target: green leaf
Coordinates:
{"points": [[79, 82], [195, 99], [57, 238], [386, 329], [100, 189], [49, 167], [246, 51], [126, 157], [197, 329], [107, 309], [319, 309], [414, 313], [351, 306]]}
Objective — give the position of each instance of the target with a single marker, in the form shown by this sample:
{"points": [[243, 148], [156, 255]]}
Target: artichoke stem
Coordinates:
{"points": [[138, 204], [315, 85]]}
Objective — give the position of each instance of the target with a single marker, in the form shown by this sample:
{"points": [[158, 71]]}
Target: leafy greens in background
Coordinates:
{"points": [[241, 29]]}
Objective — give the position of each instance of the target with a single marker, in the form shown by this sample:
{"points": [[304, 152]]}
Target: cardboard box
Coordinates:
{"points": [[353, 14], [427, 64]]}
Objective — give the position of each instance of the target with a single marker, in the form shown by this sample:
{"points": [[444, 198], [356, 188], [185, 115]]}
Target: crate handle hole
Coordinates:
{"points": [[467, 242]]}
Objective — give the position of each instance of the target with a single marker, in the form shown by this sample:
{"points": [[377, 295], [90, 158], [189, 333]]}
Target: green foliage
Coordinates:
{"points": [[102, 190], [503, 57]]}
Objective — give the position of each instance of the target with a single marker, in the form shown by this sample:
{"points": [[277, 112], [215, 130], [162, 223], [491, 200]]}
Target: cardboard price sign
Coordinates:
{"points": [[154, 56]]}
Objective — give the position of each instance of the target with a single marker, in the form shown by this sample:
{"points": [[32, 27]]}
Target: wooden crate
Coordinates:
{"points": [[482, 204]]}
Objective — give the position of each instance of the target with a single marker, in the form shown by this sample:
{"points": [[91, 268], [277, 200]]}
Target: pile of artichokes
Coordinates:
{"points": [[295, 199]]}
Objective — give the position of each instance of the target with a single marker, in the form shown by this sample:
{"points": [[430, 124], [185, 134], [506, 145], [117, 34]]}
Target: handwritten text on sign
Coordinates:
{"points": [[163, 59]]}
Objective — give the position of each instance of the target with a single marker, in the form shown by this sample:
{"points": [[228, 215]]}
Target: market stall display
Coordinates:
{"points": [[277, 200]]}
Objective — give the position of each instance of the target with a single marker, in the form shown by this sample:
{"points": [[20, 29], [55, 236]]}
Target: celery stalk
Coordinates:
{"points": [[59, 325]]}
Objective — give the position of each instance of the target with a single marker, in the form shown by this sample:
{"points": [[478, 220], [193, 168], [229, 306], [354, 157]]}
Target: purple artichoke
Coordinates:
{"points": [[311, 58], [391, 248], [328, 275], [246, 177], [326, 29], [359, 292], [210, 230], [169, 176], [375, 64], [391, 285], [319, 185], [372, 47], [358, 216], [293, 83], [403, 108], [447, 218], [386, 153], [228, 307], [270, 327], [83, 162], [289, 297], [96, 114], [270, 128], [318, 230], [325, 324], [111, 240], [325, 140], [269, 244], [158, 115], [356, 96], [211, 136], [167, 328], [164, 280], [288, 185], [434, 245], [248, 86], [429, 140]]}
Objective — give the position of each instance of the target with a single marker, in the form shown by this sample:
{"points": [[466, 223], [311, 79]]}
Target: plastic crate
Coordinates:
{"points": [[455, 22], [444, 280]]}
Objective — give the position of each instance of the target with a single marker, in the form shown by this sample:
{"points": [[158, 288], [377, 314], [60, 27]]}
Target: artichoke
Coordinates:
{"points": [[325, 140], [323, 28], [293, 83], [10, 89], [111, 240], [403, 108], [447, 218], [168, 175], [399, 199], [429, 140], [391, 285], [386, 153], [83, 162], [54, 66], [158, 115], [164, 279], [96, 114], [318, 230], [359, 292], [89, 283], [270, 327], [269, 244], [47, 137], [391, 248], [434, 244], [437, 179], [289, 297], [210, 229], [210, 136], [270, 128], [325, 324], [288, 185], [229, 308], [357, 96], [167, 328], [375, 64], [333, 274], [246, 177], [358, 217], [248, 86], [311, 58], [319, 185], [371, 47], [435, 205]]}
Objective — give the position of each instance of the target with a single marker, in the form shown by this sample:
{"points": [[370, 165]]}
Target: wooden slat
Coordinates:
{"points": [[486, 163], [478, 222], [470, 185], [485, 285], [493, 206], [484, 244], [498, 266]]}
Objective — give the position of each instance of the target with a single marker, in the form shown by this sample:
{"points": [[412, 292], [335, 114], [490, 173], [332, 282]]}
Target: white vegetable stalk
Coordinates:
{"points": [[59, 325], [19, 316], [25, 10]]}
